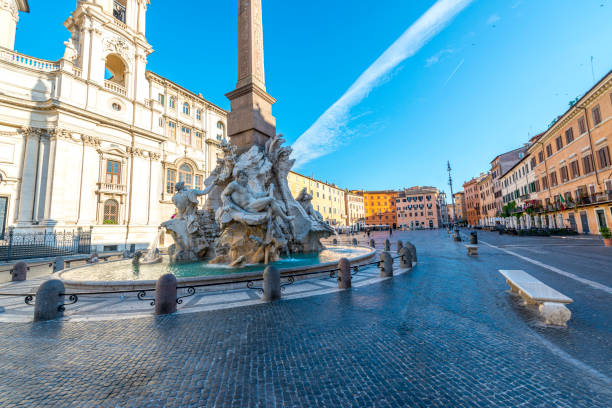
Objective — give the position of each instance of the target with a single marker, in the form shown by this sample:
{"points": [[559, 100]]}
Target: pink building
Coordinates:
{"points": [[417, 207]]}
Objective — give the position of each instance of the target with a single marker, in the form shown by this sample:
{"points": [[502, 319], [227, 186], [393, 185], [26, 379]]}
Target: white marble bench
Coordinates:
{"points": [[551, 303], [472, 250]]}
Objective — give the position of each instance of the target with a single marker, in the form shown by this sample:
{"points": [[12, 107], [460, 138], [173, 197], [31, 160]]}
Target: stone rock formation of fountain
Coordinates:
{"points": [[250, 216]]}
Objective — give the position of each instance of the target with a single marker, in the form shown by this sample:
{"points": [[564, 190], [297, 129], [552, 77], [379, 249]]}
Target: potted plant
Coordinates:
{"points": [[606, 235]]}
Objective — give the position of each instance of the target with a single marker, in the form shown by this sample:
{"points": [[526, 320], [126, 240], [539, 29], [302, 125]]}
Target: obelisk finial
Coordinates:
{"points": [[250, 121]]}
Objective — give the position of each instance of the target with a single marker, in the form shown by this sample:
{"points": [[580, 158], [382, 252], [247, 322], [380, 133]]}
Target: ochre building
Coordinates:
{"points": [[328, 199]]}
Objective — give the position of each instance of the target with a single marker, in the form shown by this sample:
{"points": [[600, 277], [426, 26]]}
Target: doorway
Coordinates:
{"points": [[3, 214], [572, 221], [584, 219]]}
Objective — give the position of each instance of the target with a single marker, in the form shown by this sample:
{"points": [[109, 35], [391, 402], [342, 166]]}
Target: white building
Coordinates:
{"points": [[94, 139], [519, 185], [355, 210]]}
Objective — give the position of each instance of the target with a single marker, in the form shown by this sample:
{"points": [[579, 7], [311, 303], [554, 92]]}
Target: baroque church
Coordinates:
{"points": [[95, 140]]}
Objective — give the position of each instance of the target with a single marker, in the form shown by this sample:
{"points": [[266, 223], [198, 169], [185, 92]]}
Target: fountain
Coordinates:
{"points": [[250, 218]]}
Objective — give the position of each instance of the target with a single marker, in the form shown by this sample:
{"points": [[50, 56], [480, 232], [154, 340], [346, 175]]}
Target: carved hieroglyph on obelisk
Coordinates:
{"points": [[250, 121]]}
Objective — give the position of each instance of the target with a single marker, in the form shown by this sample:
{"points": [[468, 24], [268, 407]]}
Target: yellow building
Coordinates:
{"points": [[327, 199]]}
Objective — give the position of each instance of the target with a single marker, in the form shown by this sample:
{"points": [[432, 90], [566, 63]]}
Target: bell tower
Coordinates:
{"points": [[109, 46], [250, 121]]}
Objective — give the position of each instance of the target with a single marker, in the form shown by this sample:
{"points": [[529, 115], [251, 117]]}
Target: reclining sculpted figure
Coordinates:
{"points": [[242, 204]]}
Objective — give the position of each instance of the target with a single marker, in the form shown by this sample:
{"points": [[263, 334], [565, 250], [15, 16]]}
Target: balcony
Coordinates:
{"points": [[109, 188], [115, 87]]}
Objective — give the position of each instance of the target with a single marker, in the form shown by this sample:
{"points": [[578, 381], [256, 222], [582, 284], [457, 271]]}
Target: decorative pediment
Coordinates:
{"points": [[118, 46]]}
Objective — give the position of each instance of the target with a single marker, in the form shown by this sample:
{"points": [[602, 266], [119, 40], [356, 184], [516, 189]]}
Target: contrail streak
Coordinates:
{"points": [[454, 72], [326, 134]]}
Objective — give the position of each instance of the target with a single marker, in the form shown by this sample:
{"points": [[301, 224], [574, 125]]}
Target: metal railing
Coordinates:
{"points": [[190, 290], [44, 244]]}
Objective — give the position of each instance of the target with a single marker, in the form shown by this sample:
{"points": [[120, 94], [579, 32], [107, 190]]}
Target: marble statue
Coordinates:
{"points": [[250, 216]]}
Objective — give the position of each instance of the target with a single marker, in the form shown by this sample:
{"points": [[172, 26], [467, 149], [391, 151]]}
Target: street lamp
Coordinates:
{"points": [[450, 183]]}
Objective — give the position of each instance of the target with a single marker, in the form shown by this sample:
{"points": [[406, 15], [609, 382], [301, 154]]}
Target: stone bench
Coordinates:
{"points": [[472, 250], [550, 303]]}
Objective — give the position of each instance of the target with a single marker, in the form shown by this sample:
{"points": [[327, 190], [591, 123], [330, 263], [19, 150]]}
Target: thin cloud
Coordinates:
{"points": [[439, 56], [454, 72], [330, 130], [494, 18]]}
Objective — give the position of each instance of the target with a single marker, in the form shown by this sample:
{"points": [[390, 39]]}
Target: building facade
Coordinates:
{"points": [[573, 166], [500, 166], [328, 199], [488, 209], [418, 207], [460, 215], [380, 207], [95, 140], [472, 201], [355, 210]]}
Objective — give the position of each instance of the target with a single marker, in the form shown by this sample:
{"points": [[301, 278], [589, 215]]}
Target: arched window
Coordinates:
{"points": [[220, 131], [115, 70], [186, 109], [186, 175], [111, 212]]}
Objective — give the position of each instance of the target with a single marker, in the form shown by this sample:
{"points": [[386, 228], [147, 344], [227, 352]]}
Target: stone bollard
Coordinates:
{"points": [[400, 245], [372, 243], [387, 245], [19, 272], [126, 254], [165, 294], [473, 238], [271, 284], [412, 249], [344, 274], [335, 241], [406, 258], [386, 265], [49, 301], [354, 241], [58, 264]]}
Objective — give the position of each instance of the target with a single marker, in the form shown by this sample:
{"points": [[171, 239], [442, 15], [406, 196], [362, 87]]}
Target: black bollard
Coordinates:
{"points": [[271, 284], [387, 245], [372, 243], [165, 294]]}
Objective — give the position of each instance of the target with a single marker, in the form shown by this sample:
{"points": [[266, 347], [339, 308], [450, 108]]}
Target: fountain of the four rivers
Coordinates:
{"points": [[250, 219]]}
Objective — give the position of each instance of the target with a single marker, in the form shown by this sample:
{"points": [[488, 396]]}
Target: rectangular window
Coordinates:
{"points": [[582, 125], [603, 155], [569, 135], [536, 186], [161, 98], [549, 151], [575, 169], [588, 164], [559, 142], [161, 122], [185, 135], [564, 174], [172, 130], [198, 181], [119, 10], [545, 183], [541, 157], [3, 215], [596, 115], [113, 172], [198, 140], [533, 163], [171, 102], [198, 114], [170, 181]]}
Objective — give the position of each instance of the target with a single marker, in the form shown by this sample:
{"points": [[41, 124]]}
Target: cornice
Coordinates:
{"points": [[574, 111]]}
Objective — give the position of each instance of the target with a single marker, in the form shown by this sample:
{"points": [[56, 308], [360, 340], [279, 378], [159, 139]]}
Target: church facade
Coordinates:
{"points": [[95, 140]]}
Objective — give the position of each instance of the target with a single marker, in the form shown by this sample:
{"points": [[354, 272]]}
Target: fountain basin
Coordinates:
{"points": [[122, 275]]}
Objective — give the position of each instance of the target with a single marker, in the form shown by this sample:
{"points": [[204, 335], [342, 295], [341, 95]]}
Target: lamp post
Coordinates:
{"points": [[450, 183]]}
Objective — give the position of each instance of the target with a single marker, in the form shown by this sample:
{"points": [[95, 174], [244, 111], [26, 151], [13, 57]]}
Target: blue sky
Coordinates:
{"points": [[497, 73]]}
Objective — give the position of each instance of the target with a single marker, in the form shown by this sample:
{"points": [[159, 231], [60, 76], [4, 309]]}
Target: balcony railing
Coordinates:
{"points": [[29, 62], [112, 188], [115, 87]]}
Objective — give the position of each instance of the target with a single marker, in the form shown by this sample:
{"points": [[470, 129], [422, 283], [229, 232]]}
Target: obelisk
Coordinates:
{"points": [[250, 121]]}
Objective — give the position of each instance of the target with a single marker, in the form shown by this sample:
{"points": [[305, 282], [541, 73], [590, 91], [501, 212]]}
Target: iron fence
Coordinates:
{"points": [[44, 244]]}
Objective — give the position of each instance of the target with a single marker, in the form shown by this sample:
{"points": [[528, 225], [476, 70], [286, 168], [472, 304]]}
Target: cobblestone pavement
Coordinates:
{"points": [[445, 334]]}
